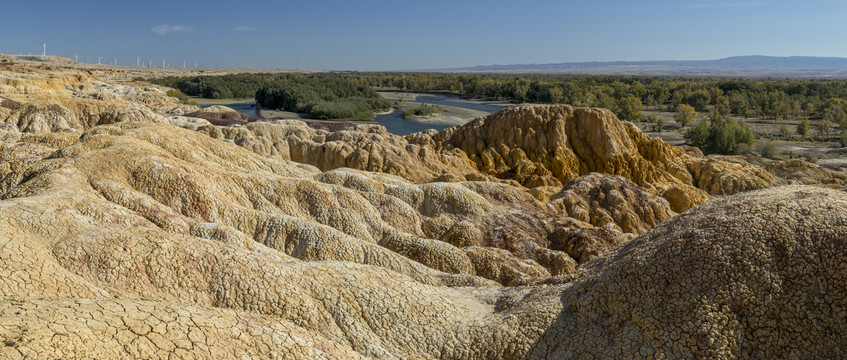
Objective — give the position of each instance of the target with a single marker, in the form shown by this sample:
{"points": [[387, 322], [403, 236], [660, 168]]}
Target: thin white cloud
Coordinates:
{"points": [[165, 29], [726, 5], [244, 28]]}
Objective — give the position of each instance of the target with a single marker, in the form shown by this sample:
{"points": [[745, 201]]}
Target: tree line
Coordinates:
{"points": [[352, 95], [625, 95], [322, 96], [767, 98]]}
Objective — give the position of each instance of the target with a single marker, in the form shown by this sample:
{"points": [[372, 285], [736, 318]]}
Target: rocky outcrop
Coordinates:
{"points": [[45, 99], [544, 145], [796, 171], [222, 116], [532, 146], [755, 275], [612, 201], [720, 177], [189, 184], [153, 236], [50, 114], [364, 147]]}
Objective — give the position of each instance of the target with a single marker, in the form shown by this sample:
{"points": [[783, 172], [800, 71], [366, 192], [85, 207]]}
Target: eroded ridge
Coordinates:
{"points": [[151, 235]]}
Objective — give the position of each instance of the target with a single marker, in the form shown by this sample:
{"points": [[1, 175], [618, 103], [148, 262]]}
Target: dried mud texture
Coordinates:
{"points": [[720, 177], [185, 183], [44, 99], [115, 329], [755, 275], [146, 236], [797, 171]]}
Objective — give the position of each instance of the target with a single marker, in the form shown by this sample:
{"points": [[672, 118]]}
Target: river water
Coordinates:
{"points": [[396, 124], [248, 107], [394, 121], [487, 106]]}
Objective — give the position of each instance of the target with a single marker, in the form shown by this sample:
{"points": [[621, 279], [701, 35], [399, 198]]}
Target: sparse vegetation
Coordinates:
{"points": [[177, 94], [658, 125], [422, 110], [784, 132]]}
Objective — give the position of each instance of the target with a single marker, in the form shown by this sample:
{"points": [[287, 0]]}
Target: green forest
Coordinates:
{"points": [[352, 95], [323, 96], [769, 98], [625, 95], [422, 110]]}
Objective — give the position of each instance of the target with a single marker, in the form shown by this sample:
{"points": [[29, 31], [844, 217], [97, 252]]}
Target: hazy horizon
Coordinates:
{"points": [[382, 35]]}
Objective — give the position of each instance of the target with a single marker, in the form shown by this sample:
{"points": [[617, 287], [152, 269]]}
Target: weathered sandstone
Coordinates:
{"points": [[129, 230]]}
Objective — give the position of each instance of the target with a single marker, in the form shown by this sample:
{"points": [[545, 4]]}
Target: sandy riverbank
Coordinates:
{"points": [[206, 101], [452, 115]]}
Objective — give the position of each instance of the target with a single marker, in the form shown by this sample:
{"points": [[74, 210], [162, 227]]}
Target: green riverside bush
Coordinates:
{"points": [[721, 135]]}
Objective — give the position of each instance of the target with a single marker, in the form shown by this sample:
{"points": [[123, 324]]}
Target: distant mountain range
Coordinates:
{"points": [[748, 66]]}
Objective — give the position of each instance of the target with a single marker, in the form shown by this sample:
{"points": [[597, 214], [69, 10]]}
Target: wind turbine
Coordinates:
{"points": [[76, 57], [45, 49], [163, 63], [98, 59], [138, 61]]}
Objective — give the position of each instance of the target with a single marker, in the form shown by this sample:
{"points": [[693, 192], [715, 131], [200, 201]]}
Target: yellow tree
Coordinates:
{"points": [[685, 114], [557, 96], [629, 108]]}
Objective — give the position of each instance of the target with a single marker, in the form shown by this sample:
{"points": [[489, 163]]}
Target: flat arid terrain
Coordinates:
{"points": [[133, 226], [824, 151]]}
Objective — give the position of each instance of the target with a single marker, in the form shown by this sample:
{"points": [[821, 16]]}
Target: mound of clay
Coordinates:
{"points": [[223, 116], [612, 201], [44, 59], [797, 171], [756, 275], [544, 145], [51, 113]]}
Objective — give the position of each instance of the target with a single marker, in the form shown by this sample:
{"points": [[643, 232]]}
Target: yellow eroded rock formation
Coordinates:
{"points": [[530, 146], [130, 231]]}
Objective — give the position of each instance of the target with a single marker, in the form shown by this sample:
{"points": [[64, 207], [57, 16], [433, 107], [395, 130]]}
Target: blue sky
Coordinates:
{"points": [[398, 35]]}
